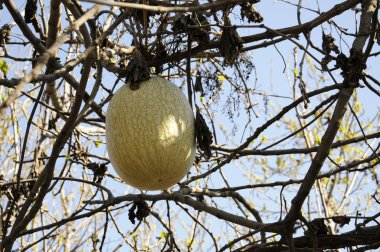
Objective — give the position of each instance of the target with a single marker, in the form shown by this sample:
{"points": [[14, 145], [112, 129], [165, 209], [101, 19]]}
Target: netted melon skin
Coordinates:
{"points": [[150, 134]]}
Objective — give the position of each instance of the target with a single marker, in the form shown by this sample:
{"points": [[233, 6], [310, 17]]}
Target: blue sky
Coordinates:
{"points": [[271, 79]]}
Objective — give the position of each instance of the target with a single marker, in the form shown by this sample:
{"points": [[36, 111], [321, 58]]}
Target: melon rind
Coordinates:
{"points": [[150, 134]]}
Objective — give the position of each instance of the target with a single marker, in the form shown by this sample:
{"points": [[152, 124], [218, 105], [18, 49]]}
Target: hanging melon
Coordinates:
{"points": [[150, 134]]}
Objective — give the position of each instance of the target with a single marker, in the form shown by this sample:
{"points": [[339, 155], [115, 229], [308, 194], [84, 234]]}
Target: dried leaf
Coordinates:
{"points": [[139, 210], [137, 70], [341, 61], [352, 67], [143, 210], [99, 171], [230, 44], [318, 227], [131, 213], [341, 220], [249, 11], [4, 34], [196, 25], [203, 134], [30, 11], [328, 44], [198, 84]]}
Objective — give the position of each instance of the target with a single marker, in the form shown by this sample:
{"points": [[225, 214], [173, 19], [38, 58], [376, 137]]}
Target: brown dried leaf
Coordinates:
{"points": [[328, 44], [99, 171], [30, 11], [230, 45], [203, 134], [249, 11], [198, 84], [140, 210], [4, 34], [318, 227], [352, 67], [137, 70], [341, 220], [196, 25]]}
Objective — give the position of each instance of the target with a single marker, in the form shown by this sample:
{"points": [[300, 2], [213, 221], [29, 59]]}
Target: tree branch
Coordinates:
{"points": [[331, 131]]}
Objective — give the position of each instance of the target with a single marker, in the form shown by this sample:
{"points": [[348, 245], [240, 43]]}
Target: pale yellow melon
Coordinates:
{"points": [[150, 134]]}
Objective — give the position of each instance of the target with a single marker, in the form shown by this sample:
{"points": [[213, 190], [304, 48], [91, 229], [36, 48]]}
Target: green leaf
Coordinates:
{"points": [[60, 240], [318, 139], [280, 162], [202, 98], [342, 129], [3, 66], [188, 241], [325, 181], [98, 144], [296, 74], [134, 235], [164, 235], [263, 139]]}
